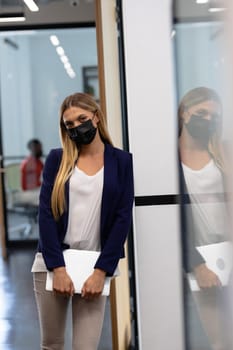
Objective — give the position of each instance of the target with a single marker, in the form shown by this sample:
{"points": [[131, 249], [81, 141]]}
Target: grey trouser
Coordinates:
{"points": [[87, 318], [213, 306]]}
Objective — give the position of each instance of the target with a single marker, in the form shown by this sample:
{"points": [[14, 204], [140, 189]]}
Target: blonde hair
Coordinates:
{"points": [[192, 98], [70, 150]]}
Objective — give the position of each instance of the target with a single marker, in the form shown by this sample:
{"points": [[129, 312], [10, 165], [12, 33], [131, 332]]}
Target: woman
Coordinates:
{"points": [[205, 213], [85, 203]]}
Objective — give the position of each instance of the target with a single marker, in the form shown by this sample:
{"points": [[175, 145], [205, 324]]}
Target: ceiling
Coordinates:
{"points": [[81, 11], [191, 11], [50, 11]]}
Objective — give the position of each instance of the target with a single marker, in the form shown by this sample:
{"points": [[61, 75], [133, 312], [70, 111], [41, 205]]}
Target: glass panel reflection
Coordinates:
{"points": [[207, 245], [203, 164]]}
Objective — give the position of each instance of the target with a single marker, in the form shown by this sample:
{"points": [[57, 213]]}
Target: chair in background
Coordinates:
{"points": [[23, 203]]}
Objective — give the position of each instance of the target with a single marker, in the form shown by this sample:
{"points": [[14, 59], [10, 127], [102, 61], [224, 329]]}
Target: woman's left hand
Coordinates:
{"points": [[94, 285]]}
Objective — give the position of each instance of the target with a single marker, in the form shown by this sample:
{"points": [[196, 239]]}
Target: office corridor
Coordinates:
{"points": [[19, 327]]}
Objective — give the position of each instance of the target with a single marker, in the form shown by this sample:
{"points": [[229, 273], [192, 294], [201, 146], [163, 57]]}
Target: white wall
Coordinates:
{"points": [[50, 82], [153, 142], [16, 107], [200, 56]]}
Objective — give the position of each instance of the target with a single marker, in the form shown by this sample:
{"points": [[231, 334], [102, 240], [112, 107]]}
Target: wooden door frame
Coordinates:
{"points": [[119, 297]]}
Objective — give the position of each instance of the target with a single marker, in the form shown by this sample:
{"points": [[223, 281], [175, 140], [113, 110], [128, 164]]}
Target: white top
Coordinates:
{"points": [[205, 189], [83, 231]]}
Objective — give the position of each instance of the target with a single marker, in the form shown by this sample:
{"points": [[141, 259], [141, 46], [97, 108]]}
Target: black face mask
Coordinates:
{"points": [[82, 134], [200, 129]]}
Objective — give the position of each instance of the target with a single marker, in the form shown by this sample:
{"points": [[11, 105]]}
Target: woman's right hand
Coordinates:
{"points": [[62, 283], [205, 277]]}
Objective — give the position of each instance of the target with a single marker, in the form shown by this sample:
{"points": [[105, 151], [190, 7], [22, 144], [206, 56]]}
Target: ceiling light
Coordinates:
{"points": [[31, 5], [60, 50], [54, 40], [67, 65], [64, 59], [217, 9], [70, 70], [16, 17], [72, 74], [11, 33], [202, 1]]}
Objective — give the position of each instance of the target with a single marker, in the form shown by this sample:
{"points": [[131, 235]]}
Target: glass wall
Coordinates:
{"points": [[38, 69], [199, 37]]}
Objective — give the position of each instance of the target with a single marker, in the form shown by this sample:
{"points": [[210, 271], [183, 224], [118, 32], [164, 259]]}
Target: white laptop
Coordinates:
{"points": [[219, 259], [79, 266]]}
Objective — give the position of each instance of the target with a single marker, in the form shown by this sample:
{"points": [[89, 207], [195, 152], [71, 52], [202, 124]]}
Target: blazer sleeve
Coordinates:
{"points": [[114, 245], [49, 241], [191, 256]]}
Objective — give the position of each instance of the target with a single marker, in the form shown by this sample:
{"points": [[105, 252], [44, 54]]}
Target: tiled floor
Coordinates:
{"points": [[19, 328]]}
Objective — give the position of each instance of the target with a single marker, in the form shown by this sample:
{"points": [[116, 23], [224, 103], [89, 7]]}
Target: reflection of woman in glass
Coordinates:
{"points": [[202, 169]]}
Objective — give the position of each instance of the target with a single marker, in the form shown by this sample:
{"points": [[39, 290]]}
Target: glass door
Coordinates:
{"points": [[38, 69], [199, 37]]}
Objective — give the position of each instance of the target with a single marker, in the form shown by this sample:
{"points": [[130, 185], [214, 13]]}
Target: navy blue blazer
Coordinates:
{"points": [[116, 210]]}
